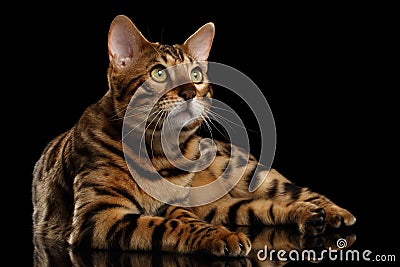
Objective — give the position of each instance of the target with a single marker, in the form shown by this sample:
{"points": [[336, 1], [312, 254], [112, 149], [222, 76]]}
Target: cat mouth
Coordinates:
{"points": [[185, 107], [185, 113]]}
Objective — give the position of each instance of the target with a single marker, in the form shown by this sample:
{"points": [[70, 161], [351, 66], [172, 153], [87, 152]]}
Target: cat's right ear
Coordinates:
{"points": [[199, 43], [125, 42]]}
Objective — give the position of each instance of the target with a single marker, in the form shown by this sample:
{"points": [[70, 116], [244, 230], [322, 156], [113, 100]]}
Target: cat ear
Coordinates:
{"points": [[125, 42], [199, 43]]}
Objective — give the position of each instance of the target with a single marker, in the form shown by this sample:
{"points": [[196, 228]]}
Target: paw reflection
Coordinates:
{"points": [[273, 244], [47, 253]]}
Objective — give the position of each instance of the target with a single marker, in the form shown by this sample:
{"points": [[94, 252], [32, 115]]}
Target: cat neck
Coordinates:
{"points": [[158, 142]]}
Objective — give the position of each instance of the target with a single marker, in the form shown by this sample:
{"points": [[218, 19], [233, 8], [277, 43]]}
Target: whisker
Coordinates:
{"points": [[217, 128], [220, 119], [207, 125], [136, 114], [133, 129], [217, 117], [148, 32], [143, 121], [162, 32], [155, 49], [228, 110], [152, 135], [168, 123], [139, 108], [116, 113], [208, 121], [146, 128]]}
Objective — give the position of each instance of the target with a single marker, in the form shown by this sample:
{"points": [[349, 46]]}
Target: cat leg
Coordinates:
{"points": [[271, 184], [309, 217], [105, 223], [200, 226], [278, 188]]}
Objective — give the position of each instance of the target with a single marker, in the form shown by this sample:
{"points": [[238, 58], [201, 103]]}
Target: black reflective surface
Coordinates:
{"points": [[267, 241]]}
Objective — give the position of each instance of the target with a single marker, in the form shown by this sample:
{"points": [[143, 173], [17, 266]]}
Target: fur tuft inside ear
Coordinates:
{"points": [[125, 42], [199, 43]]}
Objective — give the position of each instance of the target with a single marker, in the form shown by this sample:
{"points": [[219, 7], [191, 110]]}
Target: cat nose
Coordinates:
{"points": [[187, 93]]}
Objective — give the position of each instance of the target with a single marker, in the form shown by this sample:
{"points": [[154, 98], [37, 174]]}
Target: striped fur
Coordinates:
{"points": [[83, 192]]}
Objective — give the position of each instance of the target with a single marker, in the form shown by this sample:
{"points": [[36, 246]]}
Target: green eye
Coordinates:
{"points": [[196, 76], [159, 74]]}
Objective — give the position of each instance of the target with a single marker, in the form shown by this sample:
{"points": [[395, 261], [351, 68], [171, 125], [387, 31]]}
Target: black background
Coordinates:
{"points": [[327, 72]]}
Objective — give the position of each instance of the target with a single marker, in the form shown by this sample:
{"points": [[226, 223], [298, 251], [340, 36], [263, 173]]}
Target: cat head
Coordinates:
{"points": [[134, 61]]}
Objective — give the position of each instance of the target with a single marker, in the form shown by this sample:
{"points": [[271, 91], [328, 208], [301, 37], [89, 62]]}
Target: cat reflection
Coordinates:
{"points": [[50, 253]]}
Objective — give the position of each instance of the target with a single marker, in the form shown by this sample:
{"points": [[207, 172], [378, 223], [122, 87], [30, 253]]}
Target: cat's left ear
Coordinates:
{"points": [[125, 42], [199, 43]]}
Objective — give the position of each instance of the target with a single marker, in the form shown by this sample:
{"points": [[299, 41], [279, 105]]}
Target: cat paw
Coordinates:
{"points": [[337, 217], [225, 243], [313, 223]]}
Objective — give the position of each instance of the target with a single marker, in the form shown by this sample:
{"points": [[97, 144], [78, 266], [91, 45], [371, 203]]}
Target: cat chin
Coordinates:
{"points": [[185, 115], [183, 119]]}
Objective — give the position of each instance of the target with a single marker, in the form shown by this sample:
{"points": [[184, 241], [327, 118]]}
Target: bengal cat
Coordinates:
{"points": [[83, 192]]}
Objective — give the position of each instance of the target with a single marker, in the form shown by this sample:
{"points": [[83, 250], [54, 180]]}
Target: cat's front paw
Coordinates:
{"points": [[313, 222], [337, 216], [223, 242]]}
